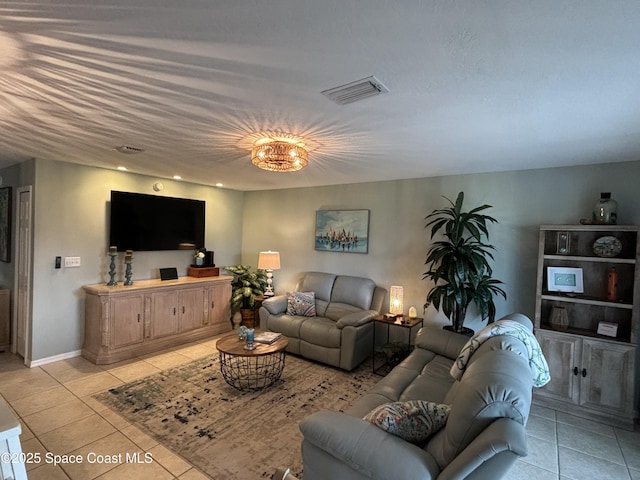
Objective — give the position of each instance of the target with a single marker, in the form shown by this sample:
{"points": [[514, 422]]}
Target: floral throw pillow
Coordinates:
{"points": [[414, 421], [301, 303]]}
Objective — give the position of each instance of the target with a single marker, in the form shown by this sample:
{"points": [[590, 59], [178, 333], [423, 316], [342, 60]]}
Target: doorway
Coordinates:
{"points": [[22, 278]]}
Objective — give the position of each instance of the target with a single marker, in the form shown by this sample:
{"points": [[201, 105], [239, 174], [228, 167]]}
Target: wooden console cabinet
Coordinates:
{"points": [[151, 315], [592, 374]]}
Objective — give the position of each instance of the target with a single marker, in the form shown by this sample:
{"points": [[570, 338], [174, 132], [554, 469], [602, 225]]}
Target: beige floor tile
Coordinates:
{"points": [[34, 453], [577, 465], [35, 403], [134, 371], [101, 456], [75, 363], [76, 435], [137, 471], [26, 384], [137, 436], [86, 369], [194, 474], [48, 472], [93, 384], [26, 432], [525, 471], [585, 424], [94, 404], [169, 460], [167, 360], [590, 443], [114, 419], [55, 417], [198, 351]]}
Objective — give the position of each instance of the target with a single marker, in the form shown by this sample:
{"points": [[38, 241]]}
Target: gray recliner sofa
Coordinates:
{"points": [[484, 433], [341, 332]]}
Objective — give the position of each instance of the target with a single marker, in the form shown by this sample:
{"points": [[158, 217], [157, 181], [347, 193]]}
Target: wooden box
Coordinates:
{"points": [[203, 271]]}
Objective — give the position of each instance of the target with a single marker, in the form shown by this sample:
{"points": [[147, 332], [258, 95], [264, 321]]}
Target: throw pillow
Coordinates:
{"points": [[301, 303], [414, 421]]}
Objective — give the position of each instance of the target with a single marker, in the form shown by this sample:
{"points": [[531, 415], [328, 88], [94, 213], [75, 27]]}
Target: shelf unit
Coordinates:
{"points": [[593, 375]]}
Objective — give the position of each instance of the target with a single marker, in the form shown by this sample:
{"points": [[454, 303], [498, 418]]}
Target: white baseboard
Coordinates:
{"points": [[55, 358]]}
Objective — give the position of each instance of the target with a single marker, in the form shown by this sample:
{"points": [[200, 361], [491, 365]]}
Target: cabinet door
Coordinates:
{"points": [[126, 323], [192, 311], [164, 313], [563, 356], [219, 305], [609, 369]]}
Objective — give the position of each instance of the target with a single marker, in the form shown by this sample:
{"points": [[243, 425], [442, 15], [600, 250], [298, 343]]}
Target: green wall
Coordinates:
{"points": [[70, 219], [284, 220]]}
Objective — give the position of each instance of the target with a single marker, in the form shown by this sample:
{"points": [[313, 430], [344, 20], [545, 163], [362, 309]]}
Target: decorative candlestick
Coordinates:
{"points": [[128, 259], [113, 252]]}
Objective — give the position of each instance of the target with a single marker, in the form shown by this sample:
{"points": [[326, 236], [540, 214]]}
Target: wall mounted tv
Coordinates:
{"points": [[142, 222]]}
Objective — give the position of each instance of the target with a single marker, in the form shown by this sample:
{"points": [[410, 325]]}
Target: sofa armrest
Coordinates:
{"points": [[356, 319], [276, 305], [366, 448], [490, 454]]}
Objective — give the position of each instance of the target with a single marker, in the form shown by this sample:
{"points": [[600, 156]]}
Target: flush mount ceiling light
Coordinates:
{"points": [[279, 156], [128, 149]]}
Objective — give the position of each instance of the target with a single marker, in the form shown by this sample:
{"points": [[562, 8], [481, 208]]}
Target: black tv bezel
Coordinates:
{"points": [[162, 228]]}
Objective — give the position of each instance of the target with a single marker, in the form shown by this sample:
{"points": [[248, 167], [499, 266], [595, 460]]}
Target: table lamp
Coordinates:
{"points": [[269, 261]]}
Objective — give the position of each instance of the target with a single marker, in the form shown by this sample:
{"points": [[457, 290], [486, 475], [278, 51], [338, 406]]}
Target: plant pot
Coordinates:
{"points": [[248, 317], [465, 331]]}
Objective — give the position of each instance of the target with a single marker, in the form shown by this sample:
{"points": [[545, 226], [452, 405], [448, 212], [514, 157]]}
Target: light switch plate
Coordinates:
{"points": [[71, 262]]}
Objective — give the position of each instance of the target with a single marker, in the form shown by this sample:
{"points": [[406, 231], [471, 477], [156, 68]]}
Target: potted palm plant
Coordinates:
{"points": [[459, 264], [245, 287]]}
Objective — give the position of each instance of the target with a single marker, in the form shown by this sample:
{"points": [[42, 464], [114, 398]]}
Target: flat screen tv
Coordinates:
{"points": [[141, 222]]}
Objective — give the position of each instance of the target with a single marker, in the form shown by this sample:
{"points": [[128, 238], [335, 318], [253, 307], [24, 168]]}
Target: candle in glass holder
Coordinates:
{"points": [[113, 249]]}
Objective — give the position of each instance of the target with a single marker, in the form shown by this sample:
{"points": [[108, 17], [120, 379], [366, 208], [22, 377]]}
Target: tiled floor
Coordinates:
{"points": [[59, 416]]}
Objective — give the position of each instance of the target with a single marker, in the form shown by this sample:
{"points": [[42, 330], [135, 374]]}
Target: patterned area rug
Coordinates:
{"points": [[230, 434]]}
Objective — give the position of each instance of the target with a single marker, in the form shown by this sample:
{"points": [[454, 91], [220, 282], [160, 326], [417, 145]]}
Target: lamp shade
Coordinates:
{"points": [[396, 305], [269, 260]]}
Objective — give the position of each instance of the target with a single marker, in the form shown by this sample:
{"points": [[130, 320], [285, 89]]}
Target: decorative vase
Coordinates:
{"points": [[606, 210], [559, 319]]}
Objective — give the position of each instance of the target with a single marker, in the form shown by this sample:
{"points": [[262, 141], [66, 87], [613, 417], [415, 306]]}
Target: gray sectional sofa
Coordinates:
{"points": [[340, 331], [484, 433]]}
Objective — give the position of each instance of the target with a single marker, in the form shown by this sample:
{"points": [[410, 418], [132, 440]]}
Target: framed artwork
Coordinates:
{"points": [[565, 279], [5, 224], [344, 231]]}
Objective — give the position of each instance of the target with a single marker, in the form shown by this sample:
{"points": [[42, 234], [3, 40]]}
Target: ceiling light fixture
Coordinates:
{"points": [[279, 156]]}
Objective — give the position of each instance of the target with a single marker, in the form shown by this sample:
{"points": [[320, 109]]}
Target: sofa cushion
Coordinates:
{"points": [[336, 311], [356, 291], [301, 303], [288, 325], [321, 283], [321, 331], [414, 421]]}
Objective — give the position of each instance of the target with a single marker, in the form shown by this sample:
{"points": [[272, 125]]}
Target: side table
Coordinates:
{"points": [[395, 351]]}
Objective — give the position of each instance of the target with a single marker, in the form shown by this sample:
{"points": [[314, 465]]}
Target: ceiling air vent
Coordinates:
{"points": [[354, 91]]}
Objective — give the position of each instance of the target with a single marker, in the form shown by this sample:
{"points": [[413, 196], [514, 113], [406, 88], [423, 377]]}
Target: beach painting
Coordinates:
{"points": [[344, 231]]}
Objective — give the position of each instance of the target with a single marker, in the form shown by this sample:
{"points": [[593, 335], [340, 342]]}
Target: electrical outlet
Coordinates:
{"points": [[71, 262]]}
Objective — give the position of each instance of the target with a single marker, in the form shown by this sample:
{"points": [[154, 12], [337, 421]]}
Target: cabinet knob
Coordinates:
{"points": [[576, 371], [213, 303], [584, 372], [174, 310], [138, 318], [183, 310]]}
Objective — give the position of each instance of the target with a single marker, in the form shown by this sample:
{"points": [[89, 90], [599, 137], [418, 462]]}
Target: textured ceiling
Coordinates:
{"points": [[475, 86]]}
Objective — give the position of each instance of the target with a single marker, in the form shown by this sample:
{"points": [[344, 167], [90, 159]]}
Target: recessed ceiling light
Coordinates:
{"points": [[122, 169], [177, 177]]}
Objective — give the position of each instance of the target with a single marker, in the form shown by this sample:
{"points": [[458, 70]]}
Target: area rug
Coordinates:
{"points": [[230, 434]]}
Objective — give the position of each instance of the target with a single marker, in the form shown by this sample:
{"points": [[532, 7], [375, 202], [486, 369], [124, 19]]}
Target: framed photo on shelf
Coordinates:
{"points": [[565, 279], [344, 231]]}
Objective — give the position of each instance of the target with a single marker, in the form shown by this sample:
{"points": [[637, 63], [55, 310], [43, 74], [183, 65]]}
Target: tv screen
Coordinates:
{"points": [[142, 222]]}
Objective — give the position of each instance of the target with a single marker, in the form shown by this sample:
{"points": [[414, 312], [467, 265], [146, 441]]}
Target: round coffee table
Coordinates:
{"points": [[251, 369]]}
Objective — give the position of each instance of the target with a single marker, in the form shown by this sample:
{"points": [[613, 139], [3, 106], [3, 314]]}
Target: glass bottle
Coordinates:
{"points": [[606, 210]]}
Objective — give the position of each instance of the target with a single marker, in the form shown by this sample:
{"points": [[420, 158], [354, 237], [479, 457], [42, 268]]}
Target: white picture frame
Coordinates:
{"points": [[565, 279]]}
